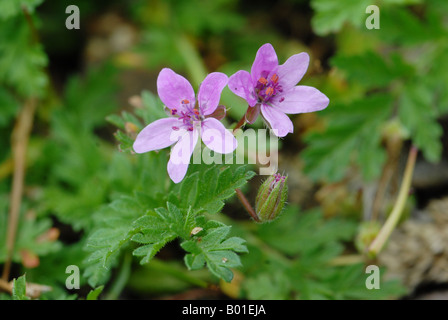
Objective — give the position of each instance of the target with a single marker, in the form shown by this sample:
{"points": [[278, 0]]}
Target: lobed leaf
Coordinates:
{"points": [[215, 251], [350, 129]]}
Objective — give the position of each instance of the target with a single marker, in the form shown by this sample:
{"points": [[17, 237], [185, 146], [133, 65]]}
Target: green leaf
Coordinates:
{"points": [[10, 8], [147, 252], [150, 110], [330, 16], [19, 289], [9, 106], [350, 129], [79, 168], [97, 100], [111, 236], [217, 252], [207, 187], [94, 294], [52, 268], [153, 108], [404, 27], [215, 248], [30, 236], [418, 115], [371, 69], [22, 62], [158, 228], [267, 286]]}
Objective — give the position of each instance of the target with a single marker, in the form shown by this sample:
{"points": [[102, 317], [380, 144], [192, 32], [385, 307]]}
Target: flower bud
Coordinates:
{"points": [[271, 197]]}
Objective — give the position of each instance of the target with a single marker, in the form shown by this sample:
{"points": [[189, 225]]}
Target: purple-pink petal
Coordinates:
{"points": [[155, 136], [210, 92], [301, 99], [265, 61], [216, 137], [293, 70], [241, 84], [277, 120], [180, 155], [173, 89]]}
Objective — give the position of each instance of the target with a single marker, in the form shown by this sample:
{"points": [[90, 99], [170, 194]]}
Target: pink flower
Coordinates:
{"points": [[271, 89], [187, 121]]}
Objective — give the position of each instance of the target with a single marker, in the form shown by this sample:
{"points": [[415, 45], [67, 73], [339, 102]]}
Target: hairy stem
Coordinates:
{"points": [[247, 205], [391, 222], [240, 123]]}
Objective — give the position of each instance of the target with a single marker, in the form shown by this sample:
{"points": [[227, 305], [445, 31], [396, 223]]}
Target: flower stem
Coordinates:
{"points": [[394, 146], [391, 222], [240, 123], [247, 205]]}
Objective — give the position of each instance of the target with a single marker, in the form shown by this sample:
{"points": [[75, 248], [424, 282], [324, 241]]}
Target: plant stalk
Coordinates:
{"points": [[377, 245], [247, 205], [240, 123], [19, 141], [122, 277]]}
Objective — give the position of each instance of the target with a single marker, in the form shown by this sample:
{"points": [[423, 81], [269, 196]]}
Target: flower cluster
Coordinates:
{"points": [[270, 89]]}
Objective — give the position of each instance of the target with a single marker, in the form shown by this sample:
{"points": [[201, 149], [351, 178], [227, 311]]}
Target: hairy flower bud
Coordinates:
{"points": [[271, 197]]}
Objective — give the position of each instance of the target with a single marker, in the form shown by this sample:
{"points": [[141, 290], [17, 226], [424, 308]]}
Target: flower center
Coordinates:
{"points": [[276, 179], [267, 87], [189, 116], [279, 177]]}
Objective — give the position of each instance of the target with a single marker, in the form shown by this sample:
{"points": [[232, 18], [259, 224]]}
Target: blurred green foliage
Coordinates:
{"points": [[121, 219], [296, 254], [399, 77]]}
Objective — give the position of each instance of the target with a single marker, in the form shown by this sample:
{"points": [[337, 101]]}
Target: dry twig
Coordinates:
{"points": [[20, 137]]}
